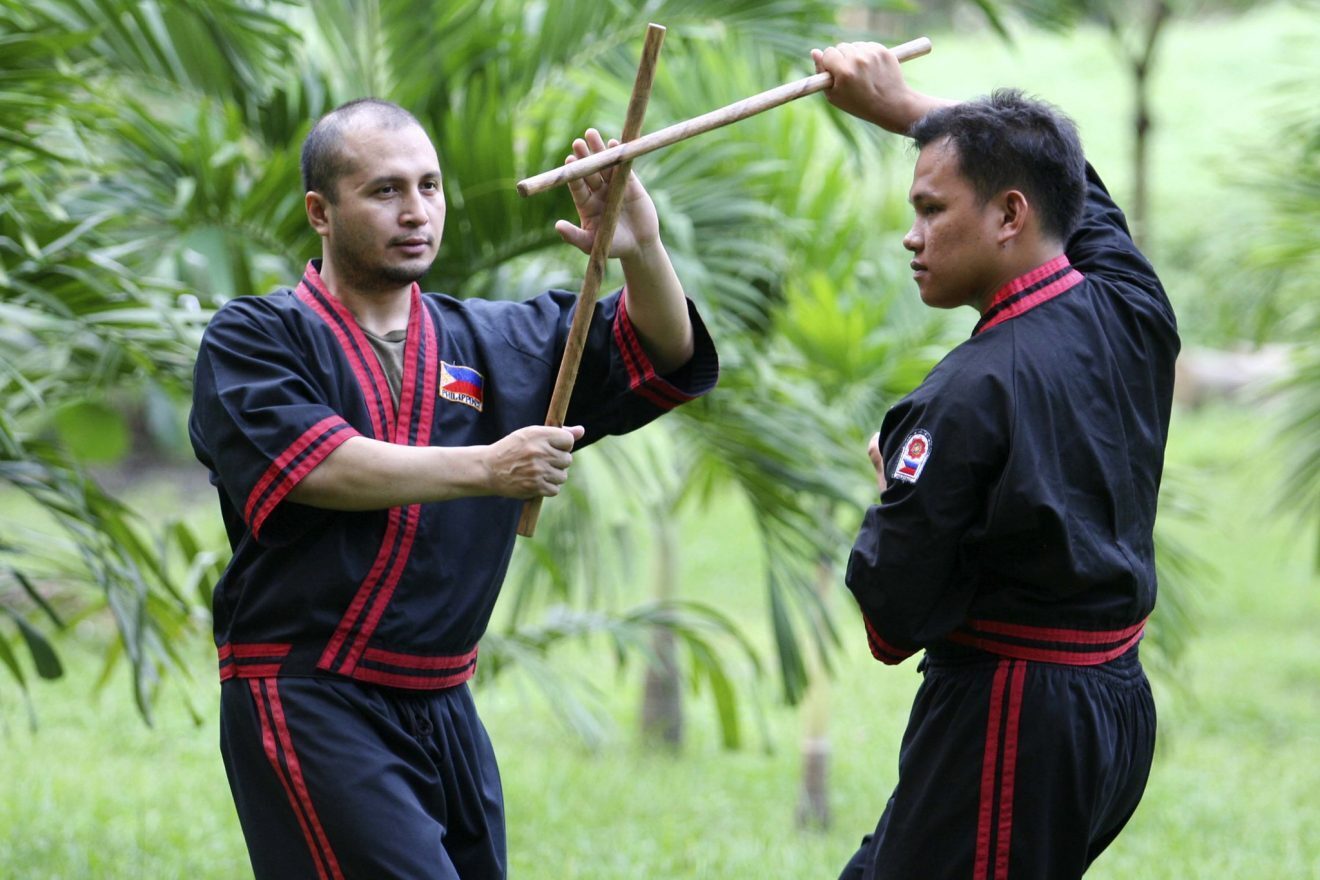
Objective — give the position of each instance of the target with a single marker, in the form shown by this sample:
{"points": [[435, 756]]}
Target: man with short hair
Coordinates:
{"points": [[372, 447], [1013, 538]]}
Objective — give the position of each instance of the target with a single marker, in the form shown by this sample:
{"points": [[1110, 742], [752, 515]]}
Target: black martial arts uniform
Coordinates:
{"points": [[345, 638], [1014, 544]]}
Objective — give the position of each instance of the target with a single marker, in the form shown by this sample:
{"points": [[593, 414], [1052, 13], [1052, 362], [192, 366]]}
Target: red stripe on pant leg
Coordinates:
{"points": [[273, 755], [299, 783], [989, 764], [276, 741], [1004, 838]]}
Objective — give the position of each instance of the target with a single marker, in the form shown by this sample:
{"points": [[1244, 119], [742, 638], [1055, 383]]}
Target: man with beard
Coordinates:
{"points": [[372, 447], [1012, 541]]}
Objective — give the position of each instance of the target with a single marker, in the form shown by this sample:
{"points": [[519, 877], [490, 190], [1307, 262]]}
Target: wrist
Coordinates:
{"points": [[647, 253], [915, 108]]}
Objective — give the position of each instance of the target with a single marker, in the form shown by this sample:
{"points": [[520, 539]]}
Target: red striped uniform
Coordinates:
{"points": [[393, 599], [1014, 545]]}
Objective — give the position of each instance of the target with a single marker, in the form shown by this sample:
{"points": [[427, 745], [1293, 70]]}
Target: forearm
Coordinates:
{"points": [[657, 307], [367, 474]]}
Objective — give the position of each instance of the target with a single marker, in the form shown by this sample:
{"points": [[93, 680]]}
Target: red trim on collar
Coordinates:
{"points": [[410, 425], [365, 366], [1035, 276], [1025, 292]]}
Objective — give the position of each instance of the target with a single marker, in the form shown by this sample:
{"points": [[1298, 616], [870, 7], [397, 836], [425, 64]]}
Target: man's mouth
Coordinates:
{"points": [[412, 243]]}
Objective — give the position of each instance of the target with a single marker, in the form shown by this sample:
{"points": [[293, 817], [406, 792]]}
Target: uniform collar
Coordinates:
{"points": [[1025, 292]]}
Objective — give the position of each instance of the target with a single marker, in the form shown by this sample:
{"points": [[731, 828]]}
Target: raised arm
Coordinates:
{"points": [[869, 84], [654, 297]]}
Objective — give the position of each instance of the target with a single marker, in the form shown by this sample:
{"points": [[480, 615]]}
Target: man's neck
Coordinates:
{"points": [[381, 311], [1019, 259]]}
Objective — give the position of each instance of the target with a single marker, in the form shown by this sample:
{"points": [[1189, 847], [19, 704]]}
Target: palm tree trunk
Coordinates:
{"points": [[1141, 61], [662, 695], [813, 809]]}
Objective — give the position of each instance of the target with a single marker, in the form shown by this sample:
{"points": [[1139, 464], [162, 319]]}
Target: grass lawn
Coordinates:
{"points": [[92, 793]]}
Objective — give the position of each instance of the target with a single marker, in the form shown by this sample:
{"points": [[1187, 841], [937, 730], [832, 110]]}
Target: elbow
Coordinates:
{"points": [[341, 481], [887, 651], [322, 490], [674, 356]]}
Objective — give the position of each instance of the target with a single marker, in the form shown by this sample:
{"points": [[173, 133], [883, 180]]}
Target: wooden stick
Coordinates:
{"points": [[600, 251], [679, 131]]}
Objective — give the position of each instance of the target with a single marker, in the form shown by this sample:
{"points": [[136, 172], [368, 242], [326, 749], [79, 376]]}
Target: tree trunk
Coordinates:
{"points": [[1141, 62], [662, 693], [813, 808]]}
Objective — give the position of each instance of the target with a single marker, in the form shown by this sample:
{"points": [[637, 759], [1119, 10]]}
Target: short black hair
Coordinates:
{"points": [[1008, 141], [323, 160]]}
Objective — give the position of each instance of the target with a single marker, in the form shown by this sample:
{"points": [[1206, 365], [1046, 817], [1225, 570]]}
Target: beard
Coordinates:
{"points": [[367, 274], [406, 273]]}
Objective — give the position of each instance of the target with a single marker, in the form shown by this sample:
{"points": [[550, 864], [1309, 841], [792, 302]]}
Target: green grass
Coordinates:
{"points": [[92, 793]]}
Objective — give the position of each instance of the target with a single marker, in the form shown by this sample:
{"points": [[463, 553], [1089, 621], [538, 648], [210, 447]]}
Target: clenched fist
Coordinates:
{"points": [[532, 462]]}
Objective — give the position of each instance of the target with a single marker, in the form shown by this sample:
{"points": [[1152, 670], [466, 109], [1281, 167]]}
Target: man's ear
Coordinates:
{"points": [[317, 213], [1014, 209]]}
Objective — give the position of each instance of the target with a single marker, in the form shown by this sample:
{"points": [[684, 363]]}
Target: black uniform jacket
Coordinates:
{"points": [[397, 597], [1023, 472]]}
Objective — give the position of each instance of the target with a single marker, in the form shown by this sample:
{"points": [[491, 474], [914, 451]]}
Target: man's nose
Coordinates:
{"points": [[413, 212], [912, 241]]}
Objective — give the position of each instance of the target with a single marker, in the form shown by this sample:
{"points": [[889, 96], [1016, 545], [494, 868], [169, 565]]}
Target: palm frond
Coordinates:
{"points": [[700, 629]]}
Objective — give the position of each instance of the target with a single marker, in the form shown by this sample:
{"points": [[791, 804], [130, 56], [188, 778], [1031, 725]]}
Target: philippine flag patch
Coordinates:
{"points": [[913, 456], [461, 385]]}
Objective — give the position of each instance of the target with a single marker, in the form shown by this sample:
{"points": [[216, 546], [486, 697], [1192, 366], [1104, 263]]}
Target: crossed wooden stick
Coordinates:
{"points": [[632, 145]]}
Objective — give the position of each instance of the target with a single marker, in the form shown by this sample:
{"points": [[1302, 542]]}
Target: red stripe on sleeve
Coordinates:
{"points": [[642, 378], [881, 650], [318, 441]]}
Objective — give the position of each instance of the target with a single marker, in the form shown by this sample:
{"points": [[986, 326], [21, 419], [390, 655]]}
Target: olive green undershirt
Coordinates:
{"points": [[389, 351]]}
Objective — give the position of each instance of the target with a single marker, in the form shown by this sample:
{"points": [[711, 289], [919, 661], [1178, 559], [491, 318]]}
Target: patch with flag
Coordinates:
{"points": [[461, 385], [913, 456]]}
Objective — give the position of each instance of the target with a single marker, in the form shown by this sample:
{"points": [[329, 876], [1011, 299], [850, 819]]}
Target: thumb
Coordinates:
{"points": [[574, 235]]}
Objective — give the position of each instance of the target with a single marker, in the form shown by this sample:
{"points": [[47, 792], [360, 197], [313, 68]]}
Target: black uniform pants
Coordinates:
{"points": [[1013, 770], [334, 780]]}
